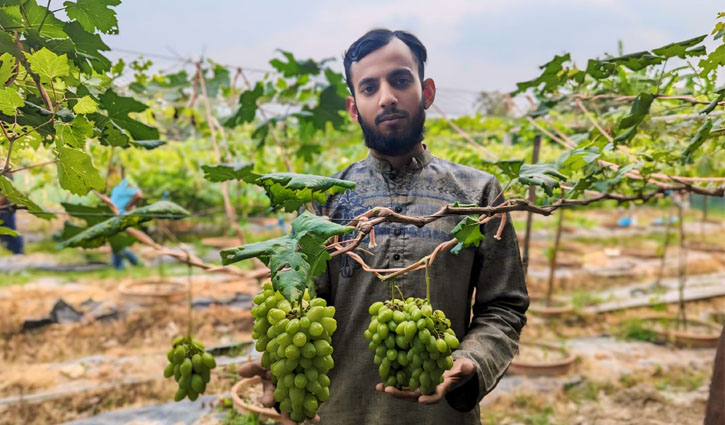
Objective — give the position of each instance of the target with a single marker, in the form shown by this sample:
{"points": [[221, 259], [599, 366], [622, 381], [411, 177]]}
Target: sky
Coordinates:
{"points": [[472, 45]]}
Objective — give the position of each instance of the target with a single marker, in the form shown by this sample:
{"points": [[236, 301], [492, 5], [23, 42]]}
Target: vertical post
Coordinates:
{"points": [[532, 198], [682, 267], [552, 263]]}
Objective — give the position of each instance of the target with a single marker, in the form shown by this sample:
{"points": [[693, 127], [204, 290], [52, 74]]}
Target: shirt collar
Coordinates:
{"points": [[416, 162]]}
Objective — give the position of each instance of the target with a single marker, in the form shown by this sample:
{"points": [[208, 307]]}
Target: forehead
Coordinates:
{"points": [[392, 56]]}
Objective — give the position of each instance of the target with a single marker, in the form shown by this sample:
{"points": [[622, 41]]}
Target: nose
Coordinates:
{"points": [[387, 96]]}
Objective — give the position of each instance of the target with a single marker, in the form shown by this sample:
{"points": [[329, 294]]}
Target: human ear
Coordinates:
{"points": [[429, 92], [351, 108]]}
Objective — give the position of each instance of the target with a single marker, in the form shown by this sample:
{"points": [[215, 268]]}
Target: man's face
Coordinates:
{"points": [[389, 101]]}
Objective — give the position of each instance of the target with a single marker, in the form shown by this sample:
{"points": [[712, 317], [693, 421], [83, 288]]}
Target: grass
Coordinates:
{"points": [[633, 329]]}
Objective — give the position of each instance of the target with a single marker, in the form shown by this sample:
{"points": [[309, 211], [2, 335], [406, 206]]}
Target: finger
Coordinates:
{"points": [[380, 387], [286, 419], [435, 397], [250, 369], [403, 395], [314, 420], [267, 398]]}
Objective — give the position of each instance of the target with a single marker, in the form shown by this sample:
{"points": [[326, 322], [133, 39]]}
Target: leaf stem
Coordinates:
{"points": [[427, 280]]}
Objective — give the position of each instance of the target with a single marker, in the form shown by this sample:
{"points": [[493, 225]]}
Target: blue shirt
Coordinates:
{"points": [[122, 194]]}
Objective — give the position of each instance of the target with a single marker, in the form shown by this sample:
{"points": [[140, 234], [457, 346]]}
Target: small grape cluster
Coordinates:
{"points": [[294, 339], [412, 343], [190, 365]]}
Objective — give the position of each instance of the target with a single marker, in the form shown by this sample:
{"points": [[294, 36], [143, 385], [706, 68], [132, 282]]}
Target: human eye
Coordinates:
{"points": [[402, 81], [369, 89]]}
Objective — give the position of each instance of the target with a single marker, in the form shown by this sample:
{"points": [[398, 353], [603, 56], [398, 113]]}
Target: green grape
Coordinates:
{"points": [[180, 394], [185, 367], [169, 370]]}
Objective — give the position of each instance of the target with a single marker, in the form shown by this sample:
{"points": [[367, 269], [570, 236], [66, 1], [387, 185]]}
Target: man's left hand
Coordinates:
{"points": [[463, 369]]}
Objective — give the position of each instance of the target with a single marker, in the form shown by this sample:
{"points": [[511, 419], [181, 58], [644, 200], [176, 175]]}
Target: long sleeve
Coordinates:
{"points": [[501, 300]]}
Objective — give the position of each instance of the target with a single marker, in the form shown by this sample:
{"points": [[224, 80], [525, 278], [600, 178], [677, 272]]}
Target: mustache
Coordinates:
{"points": [[395, 113]]}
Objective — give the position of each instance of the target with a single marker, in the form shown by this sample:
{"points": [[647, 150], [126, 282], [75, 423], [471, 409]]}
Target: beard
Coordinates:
{"points": [[399, 144]]}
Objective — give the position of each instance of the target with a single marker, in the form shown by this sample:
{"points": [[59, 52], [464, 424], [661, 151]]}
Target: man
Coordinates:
{"points": [[124, 196], [385, 74]]}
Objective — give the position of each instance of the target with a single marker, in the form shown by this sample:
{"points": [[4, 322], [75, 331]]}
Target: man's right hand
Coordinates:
{"points": [[251, 369]]}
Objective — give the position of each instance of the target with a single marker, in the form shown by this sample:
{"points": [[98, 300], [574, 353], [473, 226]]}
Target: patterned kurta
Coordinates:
{"points": [[491, 276]]}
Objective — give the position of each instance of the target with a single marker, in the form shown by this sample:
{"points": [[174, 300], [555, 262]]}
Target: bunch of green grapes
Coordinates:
{"points": [[190, 365], [294, 339], [412, 343]]}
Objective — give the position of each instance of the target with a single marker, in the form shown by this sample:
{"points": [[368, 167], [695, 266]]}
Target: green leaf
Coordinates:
{"points": [[75, 133], [541, 175], [290, 191], [329, 109], [600, 69], [114, 136], [714, 60], [637, 61], [262, 250], [468, 233], [85, 105], [92, 216], [290, 274], [118, 108], [625, 136], [10, 100], [292, 67], [76, 172], [247, 107], [7, 231], [702, 134], [605, 185], [225, 172], [7, 67], [510, 167], [87, 49], [640, 109], [316, 226], [94, 14], [148, 144], [33, 15], [552, 76], [99, 233], [678, 49], [220, 79], [48, 65], [709, 108], [17, 198]]}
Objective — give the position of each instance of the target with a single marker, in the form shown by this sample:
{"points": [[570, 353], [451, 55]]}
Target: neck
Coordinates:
{"points": [[398, 162]]}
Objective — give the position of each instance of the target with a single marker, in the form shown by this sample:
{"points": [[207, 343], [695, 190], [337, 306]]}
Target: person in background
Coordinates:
{"points": [[7, 219], [125, 196]]}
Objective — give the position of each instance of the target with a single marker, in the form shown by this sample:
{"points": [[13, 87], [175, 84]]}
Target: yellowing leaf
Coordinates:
{"points": [[10, 100], [85, 105], [48, 65]]}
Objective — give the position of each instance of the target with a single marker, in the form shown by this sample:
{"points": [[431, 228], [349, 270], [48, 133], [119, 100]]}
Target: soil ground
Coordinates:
{"points": [[64, 372]]}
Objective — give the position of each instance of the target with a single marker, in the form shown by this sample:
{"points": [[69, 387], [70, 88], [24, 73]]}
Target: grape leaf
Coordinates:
{"points": [[225, 172], [600, 69], [541, 175], [551, 77], [714, 60], [118, 108], [85, 105], [33, 15], [709, 108], [262, 250], [292, 67], [73, 134], [17, 198], [637, 61], [10, 100], [702, 134], [7, 67], [76, 172], [329, 109], [7, 231], [92, 216], [148, 144], [247, 107], [468, 233], [678, 49], [87, 49], [48, 65], [290, 191], [639, 110], [510, 167], [99, 233], [94, 14]]}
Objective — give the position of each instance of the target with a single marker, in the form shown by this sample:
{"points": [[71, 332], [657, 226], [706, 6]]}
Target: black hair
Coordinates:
{"points": [[377, 38]]}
